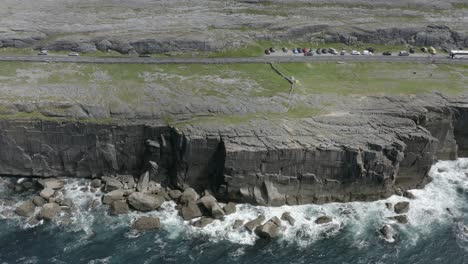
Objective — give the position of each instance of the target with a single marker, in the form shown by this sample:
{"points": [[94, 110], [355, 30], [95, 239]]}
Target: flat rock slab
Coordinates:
{"points": [[145, 202], [147, 223], [401, 207]]}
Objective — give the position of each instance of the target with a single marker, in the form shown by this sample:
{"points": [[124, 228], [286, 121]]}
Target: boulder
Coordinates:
{"points": [[25, 209], [210, 203], [49, 211], [237, 224], [189, 195], [389, 206], [147, 223], [190, 211], [270, 229], [127, 180], [28, 185], [154, 187], [145, 202], [119, 207], [175, 194], [402, 219], [113, 184], [68, 202], [54, 184], [110, 197], [401, 207], [39, 201], [229, 208], [409, 195], [387, 233], [323, 219], [251, 225], [47, 193], [204, 221], [143, 182], [96, 183], [286, 216]]}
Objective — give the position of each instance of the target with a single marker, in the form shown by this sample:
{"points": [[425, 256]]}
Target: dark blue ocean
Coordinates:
{"points": [[433, 234]]}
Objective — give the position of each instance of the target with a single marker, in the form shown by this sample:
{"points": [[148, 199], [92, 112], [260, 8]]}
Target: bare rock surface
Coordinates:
{"points": [[25, 209], [49, 211], [145, 202], [147, 223]]}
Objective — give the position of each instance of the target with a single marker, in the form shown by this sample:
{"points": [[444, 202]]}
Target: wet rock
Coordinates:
{"points": [[127, 180], [34, 221], [190, 211], [19, 188], [389, 206], [147, 223], [237, 224], [440, 170], [402, 219], [323, 219], [175, 194], [189, 195], [409, 195], [49, 211], [28, 185], [387, 233], [229, 208], [54, 184], [25, 209], [96, 183], [210, 203], [270, 229], [204, 221], [143, 182], [251, 225], [145, 202], [401, 207], [110, 197], [286, 216], [154, 187], [47, 193], [68, 202], [119, 207], [39, 201], [112, 184]]}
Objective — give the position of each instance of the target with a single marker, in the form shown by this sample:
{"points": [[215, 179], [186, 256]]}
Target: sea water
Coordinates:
{"points": [[436, 232]]}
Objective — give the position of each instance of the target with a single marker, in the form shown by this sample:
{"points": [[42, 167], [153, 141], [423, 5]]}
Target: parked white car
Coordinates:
{"points": [[43, 52], [366, 52], [73, 54], [355, 52]]}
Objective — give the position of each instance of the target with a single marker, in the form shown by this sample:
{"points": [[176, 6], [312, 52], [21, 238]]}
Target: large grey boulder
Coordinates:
{"points": [[323, 219], [127, 180], [210, 203], [251, 225], [204, 221], [110, 197], [54, 184], [96, 183], [189, 195], [147, 223], [47, 193], [119, 207], [145, 202], [229, 208], [175, 194], [112, 184], [270, 229], [143, 182], [401, 207], [402, 219], [190, 211], [237, 224], [39, 201], [286, 216], [49, 211], [387, 232], [25, 209]]}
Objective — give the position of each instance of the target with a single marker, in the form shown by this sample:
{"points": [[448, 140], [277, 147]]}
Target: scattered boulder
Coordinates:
{"points": [[127, 180], [110, 197], [204, 221], [440, 170], [323, 219], [112, 184], [147, 223], [286, 216], [251, 225], [154, 187], [210, 203], [143, 182], [387, 233], [402, 219], [39, 201], [270, 229], [49, 211], [28, 185], [119, 207], [68, 202], [47, 193], [229, 208], [144, 202], [175, 194], [96, 183], [389, 206], [401, 207], [190, 211], [189, 195], [409, 195], [237, 224], [54, 184], [25, 209]]}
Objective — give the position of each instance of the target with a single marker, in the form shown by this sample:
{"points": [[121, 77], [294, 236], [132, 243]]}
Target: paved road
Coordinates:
{"points": [[263, 59]]}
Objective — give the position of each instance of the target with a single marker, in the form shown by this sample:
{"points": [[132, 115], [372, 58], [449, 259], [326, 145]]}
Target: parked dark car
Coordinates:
{"points": [[305, 50], [272, 50], [267, 52], [299, 50], [324, 51], [412, 50], [387, 53], [309, 53], [371, 49], [424, 49], [285, 49], [318, 51]]}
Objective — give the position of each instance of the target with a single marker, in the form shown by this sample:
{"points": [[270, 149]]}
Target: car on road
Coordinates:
{"points": [[332, 51], [324, 51], [285, 50], [73, 54], [272, 49], [424, 49], [295, 51], [267, 52], [403, 53], [318, 51], [343, 52], [299, 50], [43, 53], [366, 52], [355, 52], [387, 53]]}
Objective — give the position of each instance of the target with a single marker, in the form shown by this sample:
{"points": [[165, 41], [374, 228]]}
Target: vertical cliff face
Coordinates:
{"points": [[247, 167]]}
